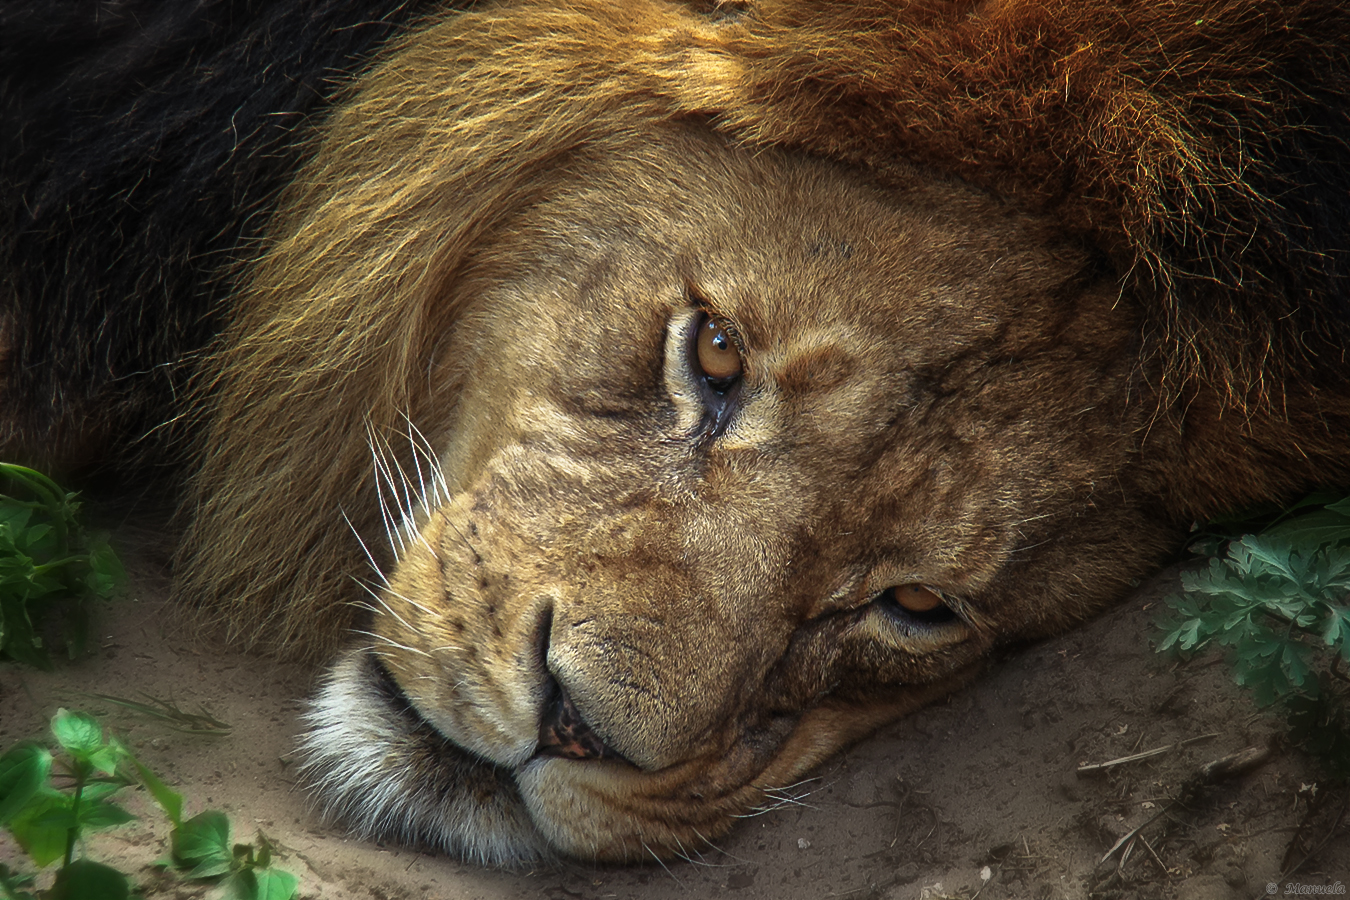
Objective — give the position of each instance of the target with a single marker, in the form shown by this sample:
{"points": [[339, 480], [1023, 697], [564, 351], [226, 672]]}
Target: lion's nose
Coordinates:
{"points": [[564, 733]]}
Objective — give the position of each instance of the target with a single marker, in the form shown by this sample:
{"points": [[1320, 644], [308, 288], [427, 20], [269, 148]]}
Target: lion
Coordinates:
{"points": [[643, 402]]}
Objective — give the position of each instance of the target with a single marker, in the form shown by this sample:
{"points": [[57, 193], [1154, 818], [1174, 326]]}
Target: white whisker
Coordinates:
{"points": [[389, 609], [392, 643], [662, 863], [438, 482], [410, 602], [364, 549], [391, 530]]}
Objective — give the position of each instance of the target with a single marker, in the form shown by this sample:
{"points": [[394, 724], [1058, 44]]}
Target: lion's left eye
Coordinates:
{"points": [[718, 357]]}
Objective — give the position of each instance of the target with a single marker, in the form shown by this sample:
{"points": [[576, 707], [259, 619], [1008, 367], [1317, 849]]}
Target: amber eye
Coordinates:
{"points": [[718, 357], [911, 603], [916, 598]]}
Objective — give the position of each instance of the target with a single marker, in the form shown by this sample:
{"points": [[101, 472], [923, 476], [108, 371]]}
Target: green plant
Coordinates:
{"points": [[48, 803], [203, 843], [47, 562], [1279, 601]]}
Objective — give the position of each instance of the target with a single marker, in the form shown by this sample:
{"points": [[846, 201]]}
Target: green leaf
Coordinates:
{"points": [[23, 772], [264, 851], [169, 800], [1293, 660], [79, 733], [103, 815], [106, 758], [262, 884], [106, 574], [12, 885], [203, 843], [1267, 684], [85, 880], [1337, 632], [61, 818], [45, 560], [1313, 529], [1263, 555], [98, 790], [14, 516], [44, 844], [1186, 636]]}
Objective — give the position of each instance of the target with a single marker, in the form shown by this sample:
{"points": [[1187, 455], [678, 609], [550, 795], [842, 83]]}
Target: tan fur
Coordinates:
{"points": [[480, 280]]}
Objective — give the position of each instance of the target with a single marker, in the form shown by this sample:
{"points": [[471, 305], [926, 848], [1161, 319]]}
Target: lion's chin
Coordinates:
{"points": [[376, 766]]}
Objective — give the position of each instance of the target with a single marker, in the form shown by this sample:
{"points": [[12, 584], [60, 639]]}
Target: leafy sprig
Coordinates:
{"points": [[1279, 602], [48, 803], [47, 560]]}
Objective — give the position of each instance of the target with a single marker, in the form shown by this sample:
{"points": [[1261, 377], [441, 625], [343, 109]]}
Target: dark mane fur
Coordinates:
{"points": [[141, 144]]}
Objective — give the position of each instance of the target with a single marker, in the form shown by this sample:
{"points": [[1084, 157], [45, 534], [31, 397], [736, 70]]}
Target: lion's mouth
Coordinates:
{"points": [[379, 767]]}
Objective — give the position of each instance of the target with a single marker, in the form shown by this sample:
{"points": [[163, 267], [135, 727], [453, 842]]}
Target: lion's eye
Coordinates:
{"points": [[916, 603], [718, 358]]}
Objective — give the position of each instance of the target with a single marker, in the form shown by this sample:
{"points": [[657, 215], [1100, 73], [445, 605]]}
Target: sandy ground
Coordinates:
{"points": [[977, 796]]}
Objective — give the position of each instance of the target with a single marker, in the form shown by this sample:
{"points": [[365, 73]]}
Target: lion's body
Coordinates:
{"points": [[624, 592]]}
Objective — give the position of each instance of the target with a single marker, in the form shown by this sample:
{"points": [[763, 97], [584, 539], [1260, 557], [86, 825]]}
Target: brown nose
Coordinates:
{"points": [[564, 733]]}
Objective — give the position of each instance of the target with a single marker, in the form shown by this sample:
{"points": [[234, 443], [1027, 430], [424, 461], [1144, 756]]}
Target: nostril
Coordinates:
{"points": [[564, 733]]}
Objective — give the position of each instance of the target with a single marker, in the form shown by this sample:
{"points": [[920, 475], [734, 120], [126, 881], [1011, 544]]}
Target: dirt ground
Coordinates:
{"points": [[979, 796]]}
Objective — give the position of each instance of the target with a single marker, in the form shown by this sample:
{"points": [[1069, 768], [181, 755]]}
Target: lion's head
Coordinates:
{"points": [[693, 459], [745, 456]]}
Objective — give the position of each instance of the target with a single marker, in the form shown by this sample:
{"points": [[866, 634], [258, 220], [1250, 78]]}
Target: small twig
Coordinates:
{"points": [[1127, 853], [1331, 832], [1153, 853], [1128, 836], [201, 722], [1231, 766], [1135, 757], [1210, 773]]}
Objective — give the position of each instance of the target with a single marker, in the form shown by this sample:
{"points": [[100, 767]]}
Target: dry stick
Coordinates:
{"points": [[1157, 859], [1211, 773], [1340, 817], [1135, 757]]}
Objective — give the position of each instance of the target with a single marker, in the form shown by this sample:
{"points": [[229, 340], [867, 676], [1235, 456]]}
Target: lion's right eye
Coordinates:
{"points": [[915, 604], [718, 357]]}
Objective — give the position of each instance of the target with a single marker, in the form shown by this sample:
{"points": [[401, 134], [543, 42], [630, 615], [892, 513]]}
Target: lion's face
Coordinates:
{"points": [[743, 456]]}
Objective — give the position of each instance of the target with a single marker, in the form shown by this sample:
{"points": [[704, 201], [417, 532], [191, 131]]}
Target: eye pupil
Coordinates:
{"points": [[916, 598], [718, 357]]}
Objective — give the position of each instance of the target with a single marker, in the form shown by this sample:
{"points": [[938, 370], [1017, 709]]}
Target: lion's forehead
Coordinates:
{"points": [[799, 252]]}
